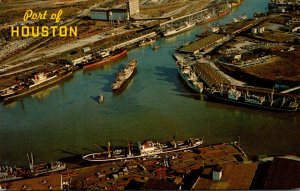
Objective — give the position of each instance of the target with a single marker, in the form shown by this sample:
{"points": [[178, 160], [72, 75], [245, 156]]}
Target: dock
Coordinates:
{"points": [[175, 169]]}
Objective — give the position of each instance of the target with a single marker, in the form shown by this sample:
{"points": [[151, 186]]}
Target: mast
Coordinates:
{"points": [[272, 96], [109, 150], [129, 149], [30, 160], [100, 148], [283, 101]]}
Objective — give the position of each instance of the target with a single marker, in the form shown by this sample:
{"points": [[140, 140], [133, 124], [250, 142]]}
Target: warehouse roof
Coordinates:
{"points": [[202, 43]]}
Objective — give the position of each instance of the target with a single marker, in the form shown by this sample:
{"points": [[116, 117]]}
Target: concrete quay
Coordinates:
{"points": [[173, 170]]}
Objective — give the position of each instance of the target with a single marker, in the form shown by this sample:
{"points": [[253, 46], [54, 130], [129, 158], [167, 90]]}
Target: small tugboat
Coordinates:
{"points": [[124, 76], [156, 47], [101, 98]]}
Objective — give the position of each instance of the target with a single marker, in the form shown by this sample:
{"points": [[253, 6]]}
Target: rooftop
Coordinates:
{"points": [[240, 26], [284, 173], [202, 43], [153, 184], [235, 176]]}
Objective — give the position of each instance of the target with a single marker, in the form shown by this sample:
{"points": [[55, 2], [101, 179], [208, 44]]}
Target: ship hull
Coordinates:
{"points": [[90, 158], [125, 83], [213, 18], [112, 58], [37, 88], [39, 170], [239, 102], [178, 31], [224, 13], [191, 86]]}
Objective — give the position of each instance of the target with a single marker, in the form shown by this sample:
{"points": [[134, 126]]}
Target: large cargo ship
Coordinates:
{"points": [[181, 28], [124, 76], [189, 76], [103, 57], [145, 149], [272, 102], [33, 84]]}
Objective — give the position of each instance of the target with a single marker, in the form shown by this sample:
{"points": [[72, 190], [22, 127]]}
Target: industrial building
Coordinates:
{"points": [[284, 173], [110, 14], [203, 43], [132, 8]]}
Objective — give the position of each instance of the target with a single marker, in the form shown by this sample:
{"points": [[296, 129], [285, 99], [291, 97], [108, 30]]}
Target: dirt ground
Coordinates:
{"points": [[288, 68]]}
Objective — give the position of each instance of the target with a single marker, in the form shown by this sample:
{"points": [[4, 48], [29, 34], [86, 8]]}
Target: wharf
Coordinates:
{"points": [[133, 41], [133, 174], [203, 43], [210, 75]]}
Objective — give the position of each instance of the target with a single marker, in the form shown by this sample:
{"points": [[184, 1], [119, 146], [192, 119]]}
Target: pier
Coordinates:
{"points": [[210, 75], [211, 13], [175, 168], [199, 15], [132, 41]]}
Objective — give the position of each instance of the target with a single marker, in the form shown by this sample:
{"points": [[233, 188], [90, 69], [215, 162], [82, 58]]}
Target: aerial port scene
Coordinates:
{"points": [[149, 94]]}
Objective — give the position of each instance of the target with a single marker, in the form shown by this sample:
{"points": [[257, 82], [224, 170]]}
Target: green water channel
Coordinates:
{"points": [[66, 119]]}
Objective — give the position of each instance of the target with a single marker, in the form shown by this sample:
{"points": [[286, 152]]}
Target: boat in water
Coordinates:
{"points": [[273, 102], [156, 47], [34, 83], [145, 149], [146, 42], [189, 76], [124, 76], [8, 173], [181, 28], [102, 57], [101, 99], [215, 29]]}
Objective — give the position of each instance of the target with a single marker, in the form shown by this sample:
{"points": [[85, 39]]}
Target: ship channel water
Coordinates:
{"points": [[66, 119]]}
